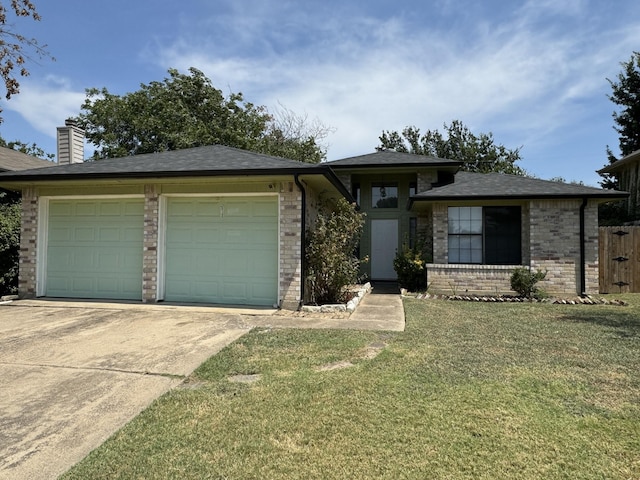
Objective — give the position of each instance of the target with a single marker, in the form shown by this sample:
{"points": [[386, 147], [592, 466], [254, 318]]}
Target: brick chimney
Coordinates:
{"points": [[70, 143]]}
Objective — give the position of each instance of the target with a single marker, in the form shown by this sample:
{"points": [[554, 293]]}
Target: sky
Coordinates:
{"points": [[532, 72]]}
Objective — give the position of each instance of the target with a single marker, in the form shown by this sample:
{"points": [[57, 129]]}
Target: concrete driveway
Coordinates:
{"points": [[72, 374]]}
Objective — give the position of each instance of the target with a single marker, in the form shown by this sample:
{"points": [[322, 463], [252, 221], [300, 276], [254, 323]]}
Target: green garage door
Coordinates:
{"points": [[94, 249], [222, 250]]}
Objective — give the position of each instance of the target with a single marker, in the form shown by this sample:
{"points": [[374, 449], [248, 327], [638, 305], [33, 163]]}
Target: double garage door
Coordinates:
{"points": [[214, 249]]}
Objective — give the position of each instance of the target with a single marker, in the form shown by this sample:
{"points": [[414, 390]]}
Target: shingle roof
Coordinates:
{"points": [[211, 160], [391, 158], [483, 186], [12, 160], [617, 165]]}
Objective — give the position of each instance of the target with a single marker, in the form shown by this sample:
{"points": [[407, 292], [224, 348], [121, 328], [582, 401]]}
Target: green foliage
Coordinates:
{"points": [[15, 48], [410, 266], [184, 111], [28, 148], [626, 94], [523, 281], [331, 264], [478, 152], [9, 244]]}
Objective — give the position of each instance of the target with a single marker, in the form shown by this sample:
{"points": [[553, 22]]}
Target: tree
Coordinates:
{"points": [[16, 49], [183, 111], [625, 94], [294, 136], [478, 152], [28, 148]]}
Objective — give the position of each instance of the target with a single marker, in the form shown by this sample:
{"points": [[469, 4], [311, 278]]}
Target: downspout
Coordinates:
{"points": [[583, 271], [303, 239]]}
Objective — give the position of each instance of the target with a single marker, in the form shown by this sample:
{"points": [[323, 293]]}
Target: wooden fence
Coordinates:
{"points": [[619, 256]]}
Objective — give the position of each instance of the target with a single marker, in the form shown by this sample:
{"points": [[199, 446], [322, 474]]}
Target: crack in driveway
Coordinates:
{"points": [[99, 369]]}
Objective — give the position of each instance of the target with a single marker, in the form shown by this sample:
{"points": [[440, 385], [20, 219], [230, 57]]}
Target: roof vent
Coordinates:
{"points": [[70, 143]]}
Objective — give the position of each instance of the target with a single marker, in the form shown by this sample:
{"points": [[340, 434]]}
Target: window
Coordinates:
{"points": [[413, 189], [489, 235], [384, 196]]}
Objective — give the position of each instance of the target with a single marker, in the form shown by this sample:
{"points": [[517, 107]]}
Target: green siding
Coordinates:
{"points": [[222, 250], [94, 249]]}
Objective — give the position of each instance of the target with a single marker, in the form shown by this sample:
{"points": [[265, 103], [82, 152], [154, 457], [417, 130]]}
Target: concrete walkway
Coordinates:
{"points": [[73, 373]]}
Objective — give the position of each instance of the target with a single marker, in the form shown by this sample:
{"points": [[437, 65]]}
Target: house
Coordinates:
{"points": [[220, 225], [12, 160], [479, 227], [627, 172]]}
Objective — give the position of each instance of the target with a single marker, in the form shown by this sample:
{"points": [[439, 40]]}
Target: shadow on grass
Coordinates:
{"points": [[624, 323]]}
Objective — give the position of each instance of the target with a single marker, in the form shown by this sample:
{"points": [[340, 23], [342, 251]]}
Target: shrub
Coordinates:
{"points": [[331, 263], [410, 266], [9, 246], [523, 281]]}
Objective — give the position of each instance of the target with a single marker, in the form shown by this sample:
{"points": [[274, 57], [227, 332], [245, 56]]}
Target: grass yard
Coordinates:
{"points": [[469, 390]]}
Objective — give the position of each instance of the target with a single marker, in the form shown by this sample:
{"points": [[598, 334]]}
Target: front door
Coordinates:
{"points": [[384, 244]]}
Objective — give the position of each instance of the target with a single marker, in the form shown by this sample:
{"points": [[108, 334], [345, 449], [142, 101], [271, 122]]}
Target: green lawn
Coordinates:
{"points": [[469, 390]]}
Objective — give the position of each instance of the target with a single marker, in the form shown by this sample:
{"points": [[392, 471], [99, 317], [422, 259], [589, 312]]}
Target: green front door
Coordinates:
{"points": [[222, 250], [94, 248]]}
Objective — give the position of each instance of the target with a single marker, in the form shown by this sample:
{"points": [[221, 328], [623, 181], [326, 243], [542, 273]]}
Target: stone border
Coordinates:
{"points": [[588, 300], [360, 291]]}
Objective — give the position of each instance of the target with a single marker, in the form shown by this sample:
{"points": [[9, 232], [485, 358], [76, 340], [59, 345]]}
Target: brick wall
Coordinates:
{"points": [[290, 246], [425, 179], [28, 244], [555, 244], [550, 241], [150, 245], [440, 234], [473, 279]]}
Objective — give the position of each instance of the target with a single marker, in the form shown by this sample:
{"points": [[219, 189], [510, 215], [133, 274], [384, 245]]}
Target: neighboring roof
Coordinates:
{"points": [[619, 164], [485, 186], [391, 158], [12, 160]]}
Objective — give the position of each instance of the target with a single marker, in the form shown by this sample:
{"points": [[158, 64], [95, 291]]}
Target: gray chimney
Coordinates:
{"points": [[70, 143]]}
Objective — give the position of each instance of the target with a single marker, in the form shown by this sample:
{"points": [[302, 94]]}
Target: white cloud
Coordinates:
{"points": [[46, 105]]}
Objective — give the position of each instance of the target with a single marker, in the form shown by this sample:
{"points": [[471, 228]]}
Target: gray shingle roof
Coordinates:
{"points": [[391, 158], [620, 164], [483, 186], [12, 160], [209, 160]]}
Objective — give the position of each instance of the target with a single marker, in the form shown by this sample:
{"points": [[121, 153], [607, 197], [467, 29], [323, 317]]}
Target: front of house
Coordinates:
{"points": [[477, 227], [226, 226]]}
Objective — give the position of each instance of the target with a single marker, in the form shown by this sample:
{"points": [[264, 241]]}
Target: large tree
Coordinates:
{"points": [[479, 153], [16, 49], [625, 93], [186, 110]]}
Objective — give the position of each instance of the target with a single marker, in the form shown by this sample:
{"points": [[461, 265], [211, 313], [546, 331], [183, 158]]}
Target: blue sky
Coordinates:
{"points": [[531, 72]]}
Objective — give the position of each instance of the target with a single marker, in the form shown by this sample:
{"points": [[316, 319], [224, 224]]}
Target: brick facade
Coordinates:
{"points": [[550, 241], [28, 244], [150, 244], [290, 246]]}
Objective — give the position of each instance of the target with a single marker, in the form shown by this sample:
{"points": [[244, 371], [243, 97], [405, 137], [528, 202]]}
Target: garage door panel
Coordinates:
{"points": [[85, 209], [95, 248], [210, 253]]}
